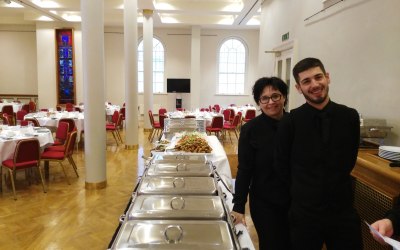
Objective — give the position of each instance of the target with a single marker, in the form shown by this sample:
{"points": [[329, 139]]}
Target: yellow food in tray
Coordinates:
{"points": [[193, 143]]}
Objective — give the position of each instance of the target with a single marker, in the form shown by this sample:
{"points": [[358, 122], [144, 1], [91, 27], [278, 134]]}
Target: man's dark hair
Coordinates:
{"points": [[274, 82], [305, 64]]}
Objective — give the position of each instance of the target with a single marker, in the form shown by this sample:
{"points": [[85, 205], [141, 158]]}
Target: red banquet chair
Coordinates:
{"points": [[64, 152], [26, 155], [69, 107], [116, 121], [61, 134], [250, 114], [232, 127], [217, 124], [26, 108], [162, 111], [32, 107], [20, 116], [33, 120], [7, 120], [155, 126], [71, 123]]}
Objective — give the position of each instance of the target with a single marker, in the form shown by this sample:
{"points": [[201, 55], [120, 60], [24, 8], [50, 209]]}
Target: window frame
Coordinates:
{"points": [[245, 67], [155, 72]]}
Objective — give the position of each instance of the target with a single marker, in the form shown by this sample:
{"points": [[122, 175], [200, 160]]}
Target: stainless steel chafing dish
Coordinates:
{"points": [[177, 158], [176, 207], [181, 168], [178, 185], [175, 234]]}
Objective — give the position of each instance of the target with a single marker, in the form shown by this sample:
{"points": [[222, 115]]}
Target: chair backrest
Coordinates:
{"points": [[59, 108], [44, 110], [151, 118], [161, 119], [69, 107], [122, 111], [236, 120], [62, 131], [32, 106], [27, 150], [25, 107], [180, 109], [119, 121], [78, 109], [7, 120], [162, 111], [227, 114], [20, 115], [115, 116], [34, 121], [8, 109], [217, 108], [250, 114], [232, 115], [217, 122], [69, 149], [71, 122]]}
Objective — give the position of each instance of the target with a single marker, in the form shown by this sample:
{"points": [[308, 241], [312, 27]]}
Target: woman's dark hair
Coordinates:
{"points": [[275, 82], [305, 64]]}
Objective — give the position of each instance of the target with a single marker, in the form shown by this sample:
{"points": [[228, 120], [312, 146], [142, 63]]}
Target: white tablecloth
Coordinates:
{"points": [[198, 114], [8, 143], [53, 120], [16, 106]]}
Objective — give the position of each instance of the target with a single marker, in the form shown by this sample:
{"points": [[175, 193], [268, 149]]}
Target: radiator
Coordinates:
{"points": [[371, 206]]}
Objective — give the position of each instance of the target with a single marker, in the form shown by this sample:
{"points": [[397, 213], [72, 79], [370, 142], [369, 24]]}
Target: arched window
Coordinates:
{"points": [[158, 67], [232, 67]]}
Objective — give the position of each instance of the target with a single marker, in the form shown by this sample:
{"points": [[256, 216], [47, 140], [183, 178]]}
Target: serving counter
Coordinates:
{"points": [[377, 189]]}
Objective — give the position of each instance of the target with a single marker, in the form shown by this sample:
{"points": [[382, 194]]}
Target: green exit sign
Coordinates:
{"points": [[285, 37]]}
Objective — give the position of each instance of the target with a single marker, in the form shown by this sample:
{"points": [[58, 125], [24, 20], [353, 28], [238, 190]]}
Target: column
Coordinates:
{"points": [[195, 80], [94, 93], [148, 66], [131, 88]]}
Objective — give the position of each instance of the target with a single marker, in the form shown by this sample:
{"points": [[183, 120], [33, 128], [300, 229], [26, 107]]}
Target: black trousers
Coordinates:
{"points": [[271, 223], [339, 231]]}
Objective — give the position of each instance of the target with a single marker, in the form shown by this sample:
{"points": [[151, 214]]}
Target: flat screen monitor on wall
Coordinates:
{"points": [[178, 85]]}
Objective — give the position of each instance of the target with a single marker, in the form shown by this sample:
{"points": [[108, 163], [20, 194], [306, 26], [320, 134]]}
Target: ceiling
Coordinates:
{"points": [[218, 14]]}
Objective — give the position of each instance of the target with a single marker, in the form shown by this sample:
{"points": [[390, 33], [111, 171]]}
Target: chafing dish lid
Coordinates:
{"points": [[174, 234], [178, 185], [172, 158], [180, 169], [176, 207]]}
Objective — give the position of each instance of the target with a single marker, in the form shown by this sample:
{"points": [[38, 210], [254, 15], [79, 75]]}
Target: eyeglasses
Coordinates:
{"points": [[273, 97]]}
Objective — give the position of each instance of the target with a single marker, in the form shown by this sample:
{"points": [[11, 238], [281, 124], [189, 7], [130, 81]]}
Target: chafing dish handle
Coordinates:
{"points": [[176, 179], [171, 229], [182, 203], [181, 166]]}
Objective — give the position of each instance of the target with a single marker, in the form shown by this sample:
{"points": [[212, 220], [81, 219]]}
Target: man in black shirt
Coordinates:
{"points": [[316, 150]]}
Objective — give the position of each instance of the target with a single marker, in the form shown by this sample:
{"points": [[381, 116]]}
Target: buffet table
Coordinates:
{"points": [[219, 159]]}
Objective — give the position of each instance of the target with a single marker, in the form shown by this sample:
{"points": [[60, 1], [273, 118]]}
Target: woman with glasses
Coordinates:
{"points": [[268, 197]]}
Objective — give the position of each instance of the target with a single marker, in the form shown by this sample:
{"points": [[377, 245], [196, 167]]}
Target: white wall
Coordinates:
{"points": [[359, 43], [177, 44], [18, 60]]}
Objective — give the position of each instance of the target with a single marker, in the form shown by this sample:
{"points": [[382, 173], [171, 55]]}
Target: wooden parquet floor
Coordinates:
{"points": [[69, 216]]}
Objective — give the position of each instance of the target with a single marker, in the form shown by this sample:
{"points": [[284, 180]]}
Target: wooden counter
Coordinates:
{"points": [[376, 172], [376, 190]]}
